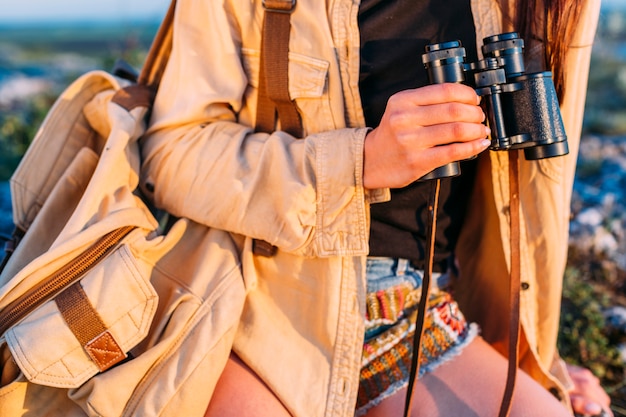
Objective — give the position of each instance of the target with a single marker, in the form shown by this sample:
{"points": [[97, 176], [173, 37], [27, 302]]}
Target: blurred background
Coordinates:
{"points": [[44, 45]]}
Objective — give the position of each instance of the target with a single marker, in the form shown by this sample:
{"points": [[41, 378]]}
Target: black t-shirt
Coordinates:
{"points": [[394, 34]]}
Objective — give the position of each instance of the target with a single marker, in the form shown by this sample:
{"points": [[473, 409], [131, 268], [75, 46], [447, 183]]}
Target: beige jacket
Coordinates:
{"points": [[302, 326]]}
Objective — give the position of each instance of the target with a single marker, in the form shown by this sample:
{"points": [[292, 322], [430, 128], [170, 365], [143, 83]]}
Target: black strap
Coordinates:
{"points": [[515, 284], [10, 245], [433, 202]]}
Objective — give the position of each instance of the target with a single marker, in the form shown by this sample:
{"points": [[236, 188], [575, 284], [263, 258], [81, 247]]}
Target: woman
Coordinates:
{"points": [[324, 201]]}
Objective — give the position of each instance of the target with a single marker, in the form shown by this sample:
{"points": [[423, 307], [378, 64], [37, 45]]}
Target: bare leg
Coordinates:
{"points": [[239, 392], [471, 385]]}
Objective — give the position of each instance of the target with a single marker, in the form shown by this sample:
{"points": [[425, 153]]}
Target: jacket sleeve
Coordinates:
{"points": [[202, 160]]}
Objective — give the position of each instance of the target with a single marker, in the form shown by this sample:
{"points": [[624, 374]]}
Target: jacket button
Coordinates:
{"points": [[525, 286]]}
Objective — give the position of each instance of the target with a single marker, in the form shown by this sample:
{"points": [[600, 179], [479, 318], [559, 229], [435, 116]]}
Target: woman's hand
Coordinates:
{"points": [[588, 397], [423, 129]]}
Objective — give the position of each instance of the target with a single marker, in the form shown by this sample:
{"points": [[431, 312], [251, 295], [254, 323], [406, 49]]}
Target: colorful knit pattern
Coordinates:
{"points": [[387, 355], [385, 307]]}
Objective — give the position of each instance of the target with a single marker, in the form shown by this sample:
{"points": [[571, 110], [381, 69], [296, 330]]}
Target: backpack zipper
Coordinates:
{"points": [[60, 279]]}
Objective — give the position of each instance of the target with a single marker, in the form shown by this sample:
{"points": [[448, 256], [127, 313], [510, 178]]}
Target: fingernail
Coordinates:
{"points": [[487, 131], [485, 143], [593, 409]]}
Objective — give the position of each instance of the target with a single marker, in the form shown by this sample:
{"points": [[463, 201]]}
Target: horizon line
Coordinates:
{"points": [[13, 23]]}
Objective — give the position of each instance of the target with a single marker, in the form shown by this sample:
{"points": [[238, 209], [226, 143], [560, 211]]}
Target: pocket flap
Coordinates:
{"points": [[307, 75], [47, 350]]}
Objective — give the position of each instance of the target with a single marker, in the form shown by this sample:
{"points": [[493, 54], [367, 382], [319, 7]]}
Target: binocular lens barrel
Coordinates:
{"points": [[508, 49], [534, 109], [444, 62]]}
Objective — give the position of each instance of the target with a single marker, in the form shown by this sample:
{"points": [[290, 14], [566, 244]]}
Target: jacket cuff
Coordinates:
{"points": [[342, 227]]}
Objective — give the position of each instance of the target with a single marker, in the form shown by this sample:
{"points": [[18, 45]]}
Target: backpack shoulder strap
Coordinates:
{"points": [[159, 52], [143, 92], [274, 97]]}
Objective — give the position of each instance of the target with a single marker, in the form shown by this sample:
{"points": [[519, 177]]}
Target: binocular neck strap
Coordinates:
{"points": [[515, 284], [433, 202], [514, 290]]}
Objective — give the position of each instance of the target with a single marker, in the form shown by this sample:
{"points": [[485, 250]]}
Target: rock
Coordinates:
{"points": [[616, 318], [590, 216], [598, 222], [605, 242]]}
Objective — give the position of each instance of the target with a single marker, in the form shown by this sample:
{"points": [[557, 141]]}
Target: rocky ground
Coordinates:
{"points": [[595, 292]]}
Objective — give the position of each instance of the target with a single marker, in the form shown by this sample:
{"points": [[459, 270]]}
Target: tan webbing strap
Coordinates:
{"points": [[515, 283], [88, 328], [159, 52], [274, 96], [431, 232], [134, 96], [274, 99], [143, 93]]}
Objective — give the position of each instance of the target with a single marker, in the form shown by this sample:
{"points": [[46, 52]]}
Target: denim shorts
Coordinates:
{"points": [[393, 294]]}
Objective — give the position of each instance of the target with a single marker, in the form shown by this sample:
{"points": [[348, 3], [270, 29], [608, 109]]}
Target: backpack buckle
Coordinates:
{"points": [[279, 6]]}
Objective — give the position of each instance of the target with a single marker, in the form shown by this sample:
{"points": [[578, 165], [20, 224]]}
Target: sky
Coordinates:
{"points": [[21, 11], [24, 11], [612, 3]]}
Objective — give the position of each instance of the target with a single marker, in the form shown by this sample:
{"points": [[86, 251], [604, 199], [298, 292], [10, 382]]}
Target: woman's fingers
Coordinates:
{"points": [[441, 93], [384, 167], [587, 397], [448, 133], [423, 129], [456, 151]]}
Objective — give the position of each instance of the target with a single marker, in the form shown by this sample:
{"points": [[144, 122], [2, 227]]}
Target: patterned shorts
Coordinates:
{"points": [[393, 294]]}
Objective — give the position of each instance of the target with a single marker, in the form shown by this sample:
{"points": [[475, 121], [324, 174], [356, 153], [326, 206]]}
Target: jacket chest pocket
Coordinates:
{"points": [[308, 86]]}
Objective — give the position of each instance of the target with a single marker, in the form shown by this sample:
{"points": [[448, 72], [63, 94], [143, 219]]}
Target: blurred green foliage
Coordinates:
{"points": [[592, 283], [584, 337], [102, 44], [605, 108], [18, 128]]}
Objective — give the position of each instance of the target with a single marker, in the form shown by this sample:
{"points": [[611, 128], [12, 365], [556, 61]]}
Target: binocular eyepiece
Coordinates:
{"points": [[522, 109]]}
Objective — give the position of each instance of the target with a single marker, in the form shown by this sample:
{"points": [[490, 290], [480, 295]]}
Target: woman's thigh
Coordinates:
{"points": [[472, 385], [239, 392], [469, 385]]}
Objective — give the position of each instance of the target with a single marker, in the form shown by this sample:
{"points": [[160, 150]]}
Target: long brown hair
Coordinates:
{"points": [[560, 18]]}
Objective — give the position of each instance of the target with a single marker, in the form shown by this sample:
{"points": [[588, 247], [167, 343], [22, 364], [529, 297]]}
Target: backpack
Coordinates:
{"points": [[95, 317]]}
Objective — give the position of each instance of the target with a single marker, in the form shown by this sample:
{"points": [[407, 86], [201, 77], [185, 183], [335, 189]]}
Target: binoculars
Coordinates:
{"points": [[522, 109]]}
